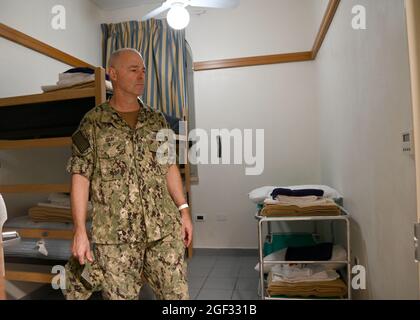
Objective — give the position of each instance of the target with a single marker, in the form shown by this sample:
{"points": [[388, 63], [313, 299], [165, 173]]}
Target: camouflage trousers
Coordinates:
{"points": [[120, 270]]}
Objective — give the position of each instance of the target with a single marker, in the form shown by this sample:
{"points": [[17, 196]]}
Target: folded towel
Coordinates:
{"points": [[296, 274], [51, 214], [322, 289], [307, 200], [323, 207]]}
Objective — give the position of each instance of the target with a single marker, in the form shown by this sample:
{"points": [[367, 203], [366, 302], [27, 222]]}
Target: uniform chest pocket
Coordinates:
{"points": [[110, 147], [112, 160], [112, 168]]}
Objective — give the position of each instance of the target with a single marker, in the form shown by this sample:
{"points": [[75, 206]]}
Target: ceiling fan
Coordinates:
{"points": [[178, 17]]}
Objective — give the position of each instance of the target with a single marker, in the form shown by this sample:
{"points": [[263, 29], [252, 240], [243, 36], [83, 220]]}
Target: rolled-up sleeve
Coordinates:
{"points": [[82, 150]]}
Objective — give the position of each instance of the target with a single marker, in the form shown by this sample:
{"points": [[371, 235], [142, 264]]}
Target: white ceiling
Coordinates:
{"points": [[119, 4]]}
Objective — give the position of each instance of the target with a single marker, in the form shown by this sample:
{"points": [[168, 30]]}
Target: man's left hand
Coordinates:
{"points": [[187, 227]]}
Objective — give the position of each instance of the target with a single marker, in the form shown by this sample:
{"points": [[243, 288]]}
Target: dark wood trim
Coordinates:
{"points": [[28, 273], [35, 188], [253, 61], [100, 87], [276, 58], [58, 95], [41, 47], [35, 143], [325, 25]]}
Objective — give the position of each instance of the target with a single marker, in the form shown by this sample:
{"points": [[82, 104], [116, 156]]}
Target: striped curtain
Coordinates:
{"points": [[163, 50]]}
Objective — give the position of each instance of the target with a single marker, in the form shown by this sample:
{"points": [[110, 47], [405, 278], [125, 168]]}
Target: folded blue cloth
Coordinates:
{"points": [[296, 193], [318, 252]]}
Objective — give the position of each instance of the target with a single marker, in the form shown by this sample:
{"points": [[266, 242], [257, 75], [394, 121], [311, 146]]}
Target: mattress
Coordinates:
{"points": [[50, 119], [57, 249], [26, 222], [43, 120], [27, 248]]}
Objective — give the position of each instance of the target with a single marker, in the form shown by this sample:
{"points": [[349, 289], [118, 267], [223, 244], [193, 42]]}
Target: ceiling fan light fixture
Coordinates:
{"points": [[178, 17]]}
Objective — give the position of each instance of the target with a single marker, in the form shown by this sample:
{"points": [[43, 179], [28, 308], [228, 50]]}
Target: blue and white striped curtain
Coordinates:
{"points": [[163, 50]]}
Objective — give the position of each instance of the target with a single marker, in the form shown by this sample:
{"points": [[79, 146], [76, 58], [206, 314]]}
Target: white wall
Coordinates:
{"points": [[244, 99], [254, 28], [277, 98], [364, 101]]}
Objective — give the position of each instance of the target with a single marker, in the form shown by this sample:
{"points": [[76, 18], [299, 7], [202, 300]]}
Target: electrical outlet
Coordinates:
{"points": [[407, 142], [199, 217]]}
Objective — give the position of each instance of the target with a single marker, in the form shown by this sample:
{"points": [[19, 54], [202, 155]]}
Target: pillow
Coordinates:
{"points": [[275, 256], [338, 254], [258, 195]]}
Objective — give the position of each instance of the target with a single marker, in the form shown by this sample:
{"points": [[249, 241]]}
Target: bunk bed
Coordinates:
{"points": [[23, 263]]}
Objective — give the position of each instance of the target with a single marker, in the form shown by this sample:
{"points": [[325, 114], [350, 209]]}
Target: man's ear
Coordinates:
{"points": [[112, 73]]}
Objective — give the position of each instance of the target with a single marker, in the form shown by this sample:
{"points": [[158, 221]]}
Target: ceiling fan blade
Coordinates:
{"points": [[156, 12], [214, 3]]}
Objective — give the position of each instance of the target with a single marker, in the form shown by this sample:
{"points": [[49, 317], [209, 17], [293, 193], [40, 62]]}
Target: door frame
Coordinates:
{"points": [[412, 8]]}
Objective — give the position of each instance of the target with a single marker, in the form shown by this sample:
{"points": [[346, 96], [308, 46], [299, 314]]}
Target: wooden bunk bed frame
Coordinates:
{"points": [[42, 273]]}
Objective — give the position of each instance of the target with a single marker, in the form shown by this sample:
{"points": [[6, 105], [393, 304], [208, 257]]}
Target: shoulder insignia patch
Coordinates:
{"points": [[80, 141]]}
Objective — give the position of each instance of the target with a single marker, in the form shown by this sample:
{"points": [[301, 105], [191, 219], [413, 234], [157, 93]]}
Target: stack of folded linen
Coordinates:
{"points": [[305, 282], [75, 78], [293, 206], [298, 273], [58, 209], [296, 202]]}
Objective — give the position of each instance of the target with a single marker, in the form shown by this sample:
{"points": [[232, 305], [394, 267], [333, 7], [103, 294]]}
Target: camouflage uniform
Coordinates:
{"points": [[136, 227]]}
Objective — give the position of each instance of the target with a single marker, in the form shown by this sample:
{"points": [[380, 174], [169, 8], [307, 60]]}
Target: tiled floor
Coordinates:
{"points": [[223, 275], [212, 275]]}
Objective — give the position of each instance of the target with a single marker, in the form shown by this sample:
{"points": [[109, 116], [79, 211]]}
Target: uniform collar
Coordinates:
{"points": [[110, 115]]}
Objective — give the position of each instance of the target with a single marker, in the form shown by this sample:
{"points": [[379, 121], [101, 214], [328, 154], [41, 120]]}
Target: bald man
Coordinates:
{"points": [[138, 231]]}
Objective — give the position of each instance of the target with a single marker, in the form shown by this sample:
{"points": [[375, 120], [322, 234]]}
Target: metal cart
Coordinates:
{"points": [[263, 219]]}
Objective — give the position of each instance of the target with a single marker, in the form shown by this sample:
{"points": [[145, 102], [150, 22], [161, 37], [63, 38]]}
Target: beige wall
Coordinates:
{"points": [[363, 86]]}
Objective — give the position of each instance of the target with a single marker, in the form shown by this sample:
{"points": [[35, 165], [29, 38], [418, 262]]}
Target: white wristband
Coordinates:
{"points": [[183, 206]]}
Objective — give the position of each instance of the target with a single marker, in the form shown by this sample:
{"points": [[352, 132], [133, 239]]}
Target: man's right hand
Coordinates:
{"points": [[81, 247]]}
